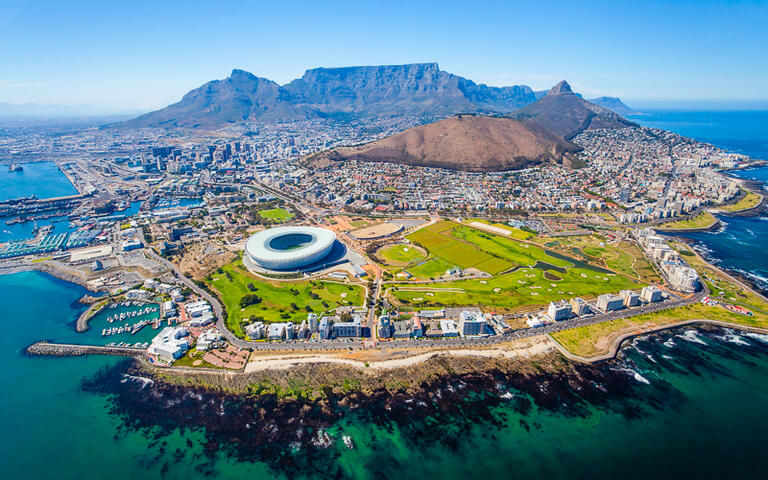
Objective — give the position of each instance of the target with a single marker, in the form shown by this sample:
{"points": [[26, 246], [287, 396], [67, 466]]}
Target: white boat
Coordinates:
{"points": [[348, 442]]}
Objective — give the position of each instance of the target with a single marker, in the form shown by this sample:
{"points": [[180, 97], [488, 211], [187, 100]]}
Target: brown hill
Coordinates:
{"points": [[466, 142], [565, 114]]}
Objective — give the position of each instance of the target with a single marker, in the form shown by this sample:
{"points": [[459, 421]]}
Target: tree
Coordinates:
{"points": [[250, 299]]}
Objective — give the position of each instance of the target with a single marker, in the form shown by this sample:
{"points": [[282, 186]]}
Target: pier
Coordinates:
{"points": [[73, 350]]}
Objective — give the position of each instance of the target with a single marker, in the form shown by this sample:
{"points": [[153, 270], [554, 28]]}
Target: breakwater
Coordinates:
{"points": [[73, 350]]}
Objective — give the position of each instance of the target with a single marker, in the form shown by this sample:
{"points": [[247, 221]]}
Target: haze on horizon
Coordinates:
{"points": [[146, 55]]}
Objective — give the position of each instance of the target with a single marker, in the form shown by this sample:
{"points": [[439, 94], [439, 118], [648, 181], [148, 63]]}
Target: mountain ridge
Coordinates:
{"points": [[415, 89]]}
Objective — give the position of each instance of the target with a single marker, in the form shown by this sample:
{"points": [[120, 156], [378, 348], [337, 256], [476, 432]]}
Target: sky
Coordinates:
{"points": [[138, 55]]}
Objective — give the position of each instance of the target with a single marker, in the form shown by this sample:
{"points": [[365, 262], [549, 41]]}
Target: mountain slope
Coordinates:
{"points": [[615, 104], [420, 88], [565, 114], [466, 142]]}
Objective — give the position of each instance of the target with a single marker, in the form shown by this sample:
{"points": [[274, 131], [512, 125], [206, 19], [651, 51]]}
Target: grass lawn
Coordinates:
{"points": [[191, 357], [703, 220], [432, 268], [624, 257], [277, 297], [594, 340], [277, 215], [466, 247], [513, 232], [400, 254], [722, 287], [750, 200], [514, 290]]}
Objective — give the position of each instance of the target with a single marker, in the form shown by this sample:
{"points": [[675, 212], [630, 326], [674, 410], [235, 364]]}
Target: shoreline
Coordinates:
{"points": [[618, 342], [45, 268]]}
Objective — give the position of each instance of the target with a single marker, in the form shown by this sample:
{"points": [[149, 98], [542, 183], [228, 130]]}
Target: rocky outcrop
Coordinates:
{"points": [[566, 114]]}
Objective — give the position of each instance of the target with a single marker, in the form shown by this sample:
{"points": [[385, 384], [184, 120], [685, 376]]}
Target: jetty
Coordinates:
{"points": [[74, 350]]}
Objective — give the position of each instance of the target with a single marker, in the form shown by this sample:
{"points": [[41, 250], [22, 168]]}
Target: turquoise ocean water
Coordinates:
{"points": [[686, 404]]}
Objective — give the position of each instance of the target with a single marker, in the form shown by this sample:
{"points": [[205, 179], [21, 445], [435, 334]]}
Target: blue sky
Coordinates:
{"points": [[143, 55]]}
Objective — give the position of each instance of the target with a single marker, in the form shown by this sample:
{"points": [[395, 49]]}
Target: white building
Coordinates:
{"points": [[170, 343], [255, 330], [448, 327], [579, 306], [558, 311], [684, 279], [206, 339], [610, 302], [276, 331], [198, 309], [650, 294], [631, 298]]}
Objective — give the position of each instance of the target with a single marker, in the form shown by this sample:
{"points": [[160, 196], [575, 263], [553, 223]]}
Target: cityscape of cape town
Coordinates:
{"points": [[365, 240]]}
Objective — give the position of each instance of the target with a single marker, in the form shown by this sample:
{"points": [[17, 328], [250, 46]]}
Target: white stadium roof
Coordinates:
{"points": [[286, 248]]}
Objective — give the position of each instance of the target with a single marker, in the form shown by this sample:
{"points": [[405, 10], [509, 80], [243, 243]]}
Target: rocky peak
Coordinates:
{"points": [[561, 88]]}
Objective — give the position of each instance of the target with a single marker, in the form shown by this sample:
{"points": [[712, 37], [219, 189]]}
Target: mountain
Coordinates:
{"points": [[465, 142], [566, 114], [615, 104], [416, 89]]}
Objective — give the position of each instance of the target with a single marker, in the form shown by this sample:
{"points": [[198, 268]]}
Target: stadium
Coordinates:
{"points": [[288, 248]]}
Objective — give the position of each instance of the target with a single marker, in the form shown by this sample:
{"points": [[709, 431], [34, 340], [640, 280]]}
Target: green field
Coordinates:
{"points": [[432, 268], [400, 254], [703, 220], [525, 286], [750, 200], [593, 340], [278, 298], [467, 247], [513, 232], [277, 215], [623, 257]]}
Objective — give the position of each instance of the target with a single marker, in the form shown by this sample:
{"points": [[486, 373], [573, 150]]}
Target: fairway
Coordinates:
{"points": [[511, 291], [623, 257], [277, 215], [277, 298], [467, 247]]}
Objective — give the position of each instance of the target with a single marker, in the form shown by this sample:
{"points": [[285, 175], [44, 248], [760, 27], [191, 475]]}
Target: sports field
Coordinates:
{"points": [[277, 299], [277, 215], [399, 255]]}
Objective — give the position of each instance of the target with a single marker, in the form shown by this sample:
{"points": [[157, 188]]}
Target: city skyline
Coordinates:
{"points": [[80, 55]]}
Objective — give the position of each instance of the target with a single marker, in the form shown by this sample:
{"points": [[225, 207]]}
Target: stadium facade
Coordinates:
{"points": [[288, 248]]}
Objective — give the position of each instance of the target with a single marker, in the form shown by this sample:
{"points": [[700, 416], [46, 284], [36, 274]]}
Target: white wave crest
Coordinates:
{"points": [[691, 336]]}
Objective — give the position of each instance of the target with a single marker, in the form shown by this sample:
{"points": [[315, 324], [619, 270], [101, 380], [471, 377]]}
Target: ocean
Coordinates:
{"points": [[738, 245], [42, 179], [676, 404]]}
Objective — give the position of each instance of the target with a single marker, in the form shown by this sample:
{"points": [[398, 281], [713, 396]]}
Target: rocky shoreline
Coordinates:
{"points": [[270, 416]]}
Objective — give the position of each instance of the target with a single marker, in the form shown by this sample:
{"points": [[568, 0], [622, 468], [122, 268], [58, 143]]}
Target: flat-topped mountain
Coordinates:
{"points": [[420, 88], [566, 114], [465, 142]]}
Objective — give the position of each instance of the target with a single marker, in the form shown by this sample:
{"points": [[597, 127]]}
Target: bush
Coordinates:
{"points": [[250, 299]]}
